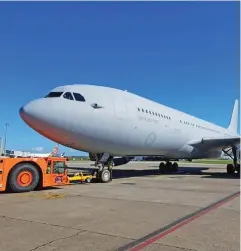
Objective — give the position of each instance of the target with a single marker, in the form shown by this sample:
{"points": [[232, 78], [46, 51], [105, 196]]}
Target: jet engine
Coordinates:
{"points": [[118, 161], [92, 156]]}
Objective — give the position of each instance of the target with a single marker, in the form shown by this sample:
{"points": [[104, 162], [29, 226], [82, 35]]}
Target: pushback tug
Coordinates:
{"points": [[27, 174]]}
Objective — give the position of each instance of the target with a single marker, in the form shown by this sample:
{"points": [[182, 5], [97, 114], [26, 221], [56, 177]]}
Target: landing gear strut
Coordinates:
{"points": [[168, 167], [104, 164], [231, 168]]}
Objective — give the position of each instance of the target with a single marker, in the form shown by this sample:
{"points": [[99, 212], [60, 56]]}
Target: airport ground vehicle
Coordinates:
{"points": [[27, 174], [81, 177]]}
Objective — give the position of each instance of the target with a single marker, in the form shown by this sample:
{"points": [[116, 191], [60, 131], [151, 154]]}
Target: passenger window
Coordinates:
{"points": [[54, 95], [138, 109], [142, 110], [79, 97], [68, 95]]}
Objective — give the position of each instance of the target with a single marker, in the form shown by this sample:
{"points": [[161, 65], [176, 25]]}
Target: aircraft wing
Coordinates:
{"points": [[217, 142]]}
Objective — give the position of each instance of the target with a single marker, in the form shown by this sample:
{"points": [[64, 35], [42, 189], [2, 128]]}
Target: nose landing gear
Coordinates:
{"points": [[104, 163]]}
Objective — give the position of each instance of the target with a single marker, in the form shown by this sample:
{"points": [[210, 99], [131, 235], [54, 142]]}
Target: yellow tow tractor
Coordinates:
{"points": [[81, 177]]}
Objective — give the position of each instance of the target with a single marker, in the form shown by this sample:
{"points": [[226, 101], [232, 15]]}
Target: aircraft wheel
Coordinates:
{"points": [[169, 167], [162, 167], [230, 168], [238, 168], [105, 176], [175, 167]]}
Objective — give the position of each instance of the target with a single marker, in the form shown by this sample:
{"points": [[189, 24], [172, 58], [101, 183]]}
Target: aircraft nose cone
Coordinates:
{"points": [[45, 116], [25, 113], [40, 114], [22, 111], [32, 112]]}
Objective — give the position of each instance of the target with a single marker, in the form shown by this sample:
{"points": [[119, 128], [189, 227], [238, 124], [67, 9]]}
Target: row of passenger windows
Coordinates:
{"points": [[198, 126], [187, 123], [153, 113], [67, 95], [167, 117]]}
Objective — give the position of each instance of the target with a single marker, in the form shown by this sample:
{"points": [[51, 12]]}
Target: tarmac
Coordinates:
{"points": [[196, 209]]}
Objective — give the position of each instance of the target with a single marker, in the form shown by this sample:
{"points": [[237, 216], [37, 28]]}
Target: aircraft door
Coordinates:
{"points": [[120, 108]]}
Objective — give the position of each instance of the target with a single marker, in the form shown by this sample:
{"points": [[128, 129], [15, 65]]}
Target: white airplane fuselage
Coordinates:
{"points": [[119, 123]]}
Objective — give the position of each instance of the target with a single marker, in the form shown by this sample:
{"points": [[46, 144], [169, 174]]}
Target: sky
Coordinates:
{"points": [[182, 54]]}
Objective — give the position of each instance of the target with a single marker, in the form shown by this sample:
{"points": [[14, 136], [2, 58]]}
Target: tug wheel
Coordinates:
{"points": [[23, 178]]}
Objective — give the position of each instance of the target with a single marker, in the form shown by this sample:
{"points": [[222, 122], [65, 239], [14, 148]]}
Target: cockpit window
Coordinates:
{"points": [[68, 95], [54, 95], [79, 97]]}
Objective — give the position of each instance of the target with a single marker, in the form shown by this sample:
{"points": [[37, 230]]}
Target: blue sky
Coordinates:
{"points": [[182, 54]]}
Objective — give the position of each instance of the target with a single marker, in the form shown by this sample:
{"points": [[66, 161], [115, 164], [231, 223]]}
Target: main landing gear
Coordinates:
{"points": [[168, 167], [231, 168], [104, 163]]}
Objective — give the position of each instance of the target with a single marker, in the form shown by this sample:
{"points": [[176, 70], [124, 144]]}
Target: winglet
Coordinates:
{"points": [[233, 125]]}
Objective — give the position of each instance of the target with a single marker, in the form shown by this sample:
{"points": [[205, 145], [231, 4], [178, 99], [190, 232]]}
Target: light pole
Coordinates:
{"points": [[1, 149], [5, 138]]}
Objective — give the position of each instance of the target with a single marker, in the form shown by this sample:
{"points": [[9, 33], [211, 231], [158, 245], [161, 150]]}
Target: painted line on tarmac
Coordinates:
{"points": [[149, 239]]}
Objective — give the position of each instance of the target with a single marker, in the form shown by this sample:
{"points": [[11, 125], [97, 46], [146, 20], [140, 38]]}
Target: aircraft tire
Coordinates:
{"points": [[162, 167], [230, 168], [174, 167], [238, 168], [169, 167], [105, 176]]}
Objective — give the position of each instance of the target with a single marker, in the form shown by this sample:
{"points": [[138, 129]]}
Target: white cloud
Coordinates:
{"points": [[38, 149]]}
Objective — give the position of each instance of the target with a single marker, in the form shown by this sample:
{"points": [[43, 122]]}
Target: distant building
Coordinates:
{"points": [[15, 154]]}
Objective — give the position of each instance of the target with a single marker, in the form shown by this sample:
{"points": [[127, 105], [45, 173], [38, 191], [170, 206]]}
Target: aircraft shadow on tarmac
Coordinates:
{"points": [[130, 173]]}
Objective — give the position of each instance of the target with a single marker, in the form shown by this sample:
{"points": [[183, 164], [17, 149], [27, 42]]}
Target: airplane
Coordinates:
{"points": [[114, 126]]}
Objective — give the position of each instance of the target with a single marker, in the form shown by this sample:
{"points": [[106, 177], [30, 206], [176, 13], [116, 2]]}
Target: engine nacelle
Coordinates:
{"points": [[92, 156], [118, 161]]}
